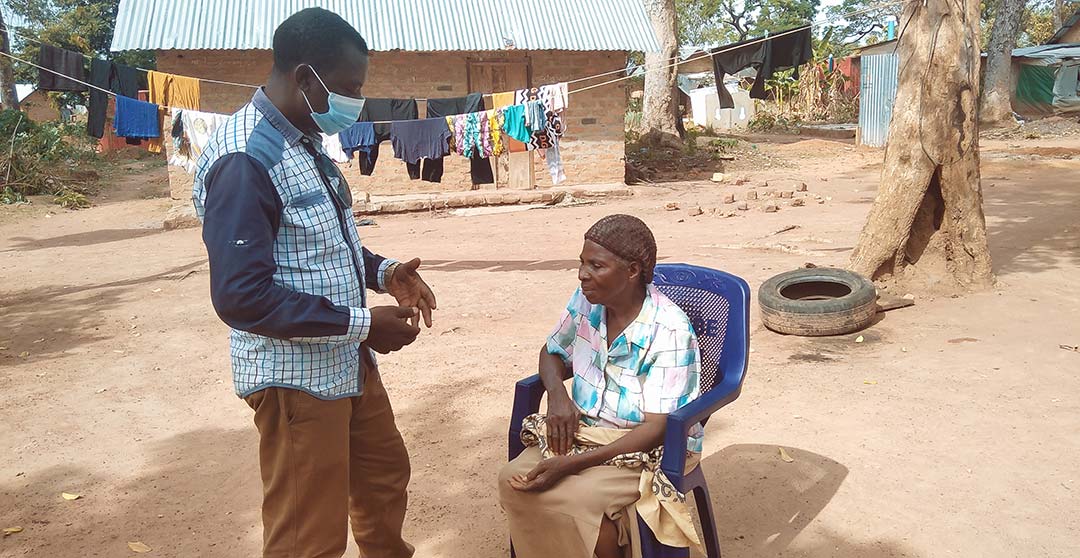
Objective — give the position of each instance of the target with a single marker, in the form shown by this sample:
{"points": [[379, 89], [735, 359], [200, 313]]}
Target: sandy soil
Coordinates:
{"points": [[951, 431]]}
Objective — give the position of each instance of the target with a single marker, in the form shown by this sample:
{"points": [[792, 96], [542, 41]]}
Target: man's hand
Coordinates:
{"points": [[544, 476], [409, 289], [562, 422], [392, 327]]}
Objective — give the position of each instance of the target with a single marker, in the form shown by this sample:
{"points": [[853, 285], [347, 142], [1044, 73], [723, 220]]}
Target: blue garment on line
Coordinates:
{"points": [[358, 137], [136, 119]]}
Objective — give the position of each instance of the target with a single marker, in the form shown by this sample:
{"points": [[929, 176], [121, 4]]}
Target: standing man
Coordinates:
{"points": [[288, 273]]}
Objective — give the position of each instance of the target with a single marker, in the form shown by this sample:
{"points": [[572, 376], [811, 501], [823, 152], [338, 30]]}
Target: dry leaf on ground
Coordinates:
{"points": [[859, 339], [12, 530], [70, 496], [139, 547], [785, 457]]}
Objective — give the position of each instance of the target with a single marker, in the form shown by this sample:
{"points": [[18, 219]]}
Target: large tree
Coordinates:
{"points": [[660, 106], [927, 225], [996, 106]]}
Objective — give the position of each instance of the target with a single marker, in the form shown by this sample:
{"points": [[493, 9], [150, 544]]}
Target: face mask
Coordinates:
{"points": [[342, 112]]}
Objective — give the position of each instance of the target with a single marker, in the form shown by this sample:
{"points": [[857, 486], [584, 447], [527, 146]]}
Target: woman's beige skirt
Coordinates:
{"points": [[564, 521]]}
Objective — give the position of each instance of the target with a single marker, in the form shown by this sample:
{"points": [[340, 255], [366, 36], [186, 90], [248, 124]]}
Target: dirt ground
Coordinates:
{"points": [[951, 431]]}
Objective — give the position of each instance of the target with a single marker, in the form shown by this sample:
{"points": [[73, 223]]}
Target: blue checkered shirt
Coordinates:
{"points": [[287, 270]]}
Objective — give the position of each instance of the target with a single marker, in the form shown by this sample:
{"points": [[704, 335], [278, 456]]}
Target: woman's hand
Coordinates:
{"points": [[562, 422], [545, 475]]}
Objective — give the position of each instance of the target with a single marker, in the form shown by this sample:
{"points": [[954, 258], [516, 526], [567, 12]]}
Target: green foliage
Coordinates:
{"points": [[41, 159], [704, 22], [863, 21]]}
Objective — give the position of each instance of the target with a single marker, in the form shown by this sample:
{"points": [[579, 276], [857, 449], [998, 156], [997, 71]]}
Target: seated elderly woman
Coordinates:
{"points": [[591, 465]]}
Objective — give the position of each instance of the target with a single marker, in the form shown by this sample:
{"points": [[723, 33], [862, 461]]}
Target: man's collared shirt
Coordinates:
{"points": [[287, 269]]}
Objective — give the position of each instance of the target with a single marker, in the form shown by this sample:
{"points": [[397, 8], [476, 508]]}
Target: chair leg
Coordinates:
{"points": [[652, 548], [708, 521]]}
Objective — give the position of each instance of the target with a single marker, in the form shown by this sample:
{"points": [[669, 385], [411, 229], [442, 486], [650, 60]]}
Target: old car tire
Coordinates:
{"points": [[816, 302]]}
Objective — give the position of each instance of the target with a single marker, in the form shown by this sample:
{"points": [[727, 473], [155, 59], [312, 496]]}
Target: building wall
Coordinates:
{"points": [[592, 148], [38, 108]]}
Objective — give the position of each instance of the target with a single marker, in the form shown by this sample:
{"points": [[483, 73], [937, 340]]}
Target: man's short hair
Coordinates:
{"points": [[314, 36]]}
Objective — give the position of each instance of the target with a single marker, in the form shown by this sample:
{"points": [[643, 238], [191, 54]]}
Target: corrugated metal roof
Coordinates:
{"points": [[413, 25]]}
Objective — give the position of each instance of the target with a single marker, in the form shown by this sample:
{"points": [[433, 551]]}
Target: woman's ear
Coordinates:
{"points": [[635, 271]]}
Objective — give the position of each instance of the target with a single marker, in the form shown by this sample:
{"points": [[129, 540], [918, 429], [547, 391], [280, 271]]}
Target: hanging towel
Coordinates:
{"points": [[71, 64], [414, 140], [118, 78], [136, 119]]}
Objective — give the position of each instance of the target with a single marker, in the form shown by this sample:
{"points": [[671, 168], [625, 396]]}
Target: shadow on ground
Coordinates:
{"points": [[47, 321], [78, 240]]}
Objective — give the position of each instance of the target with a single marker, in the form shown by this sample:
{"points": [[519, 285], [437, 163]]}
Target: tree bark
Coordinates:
{"points": [[9, 99], [1059, 14], [926, 226], [996, 107], [660, 103]]}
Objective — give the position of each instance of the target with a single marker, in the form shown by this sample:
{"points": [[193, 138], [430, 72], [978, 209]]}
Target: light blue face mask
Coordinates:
{"points": [[342, 112]]}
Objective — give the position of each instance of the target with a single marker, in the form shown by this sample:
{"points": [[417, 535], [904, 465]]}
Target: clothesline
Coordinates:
{"points": [[675, 62]]}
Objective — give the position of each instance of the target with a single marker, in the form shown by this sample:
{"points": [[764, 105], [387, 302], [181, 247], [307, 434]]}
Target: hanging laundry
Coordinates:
{"points": [[118, 78], [199, 127], [514, 123], [383, 110], [358, 137], [176, 92], [769, 56], [500, 101], [136, 119], [498, 140], [555, 97], [479, 167], [331, 144], [173, 91], [66, 62], [414, 140]]}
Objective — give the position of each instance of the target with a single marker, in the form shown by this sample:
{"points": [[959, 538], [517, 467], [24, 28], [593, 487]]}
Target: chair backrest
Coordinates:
{"points": [[718, 305]]}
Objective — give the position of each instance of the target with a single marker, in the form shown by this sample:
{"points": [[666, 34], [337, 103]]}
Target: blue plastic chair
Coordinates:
{"points": [[718, 305]]}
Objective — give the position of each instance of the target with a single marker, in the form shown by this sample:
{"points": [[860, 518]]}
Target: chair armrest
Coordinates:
{"points": [[527, 396], [679, 423]]}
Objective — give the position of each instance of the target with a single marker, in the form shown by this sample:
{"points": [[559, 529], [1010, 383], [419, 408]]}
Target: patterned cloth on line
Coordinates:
{"points": [[662, 507], [654, 366]]}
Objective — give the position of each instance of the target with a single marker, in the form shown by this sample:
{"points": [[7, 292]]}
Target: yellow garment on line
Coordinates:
{"points": [[168, 90], [501, 100], [495, 123]]}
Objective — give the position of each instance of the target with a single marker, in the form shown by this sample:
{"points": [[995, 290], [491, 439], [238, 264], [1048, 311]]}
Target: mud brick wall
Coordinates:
{"points": [[592, 149]]}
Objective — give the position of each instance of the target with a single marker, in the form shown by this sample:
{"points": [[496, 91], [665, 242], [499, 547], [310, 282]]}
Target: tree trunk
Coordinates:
{"points": [[996, 107], [1059, 14], [8, 98], [660, 103], [927, 225]]}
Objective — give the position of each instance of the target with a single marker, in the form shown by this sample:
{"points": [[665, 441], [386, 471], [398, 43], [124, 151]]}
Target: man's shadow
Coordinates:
{"points": [[762, 502]]}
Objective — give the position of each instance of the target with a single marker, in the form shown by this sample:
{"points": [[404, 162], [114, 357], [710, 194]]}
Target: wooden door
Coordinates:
{"points": [[514, 170]]}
